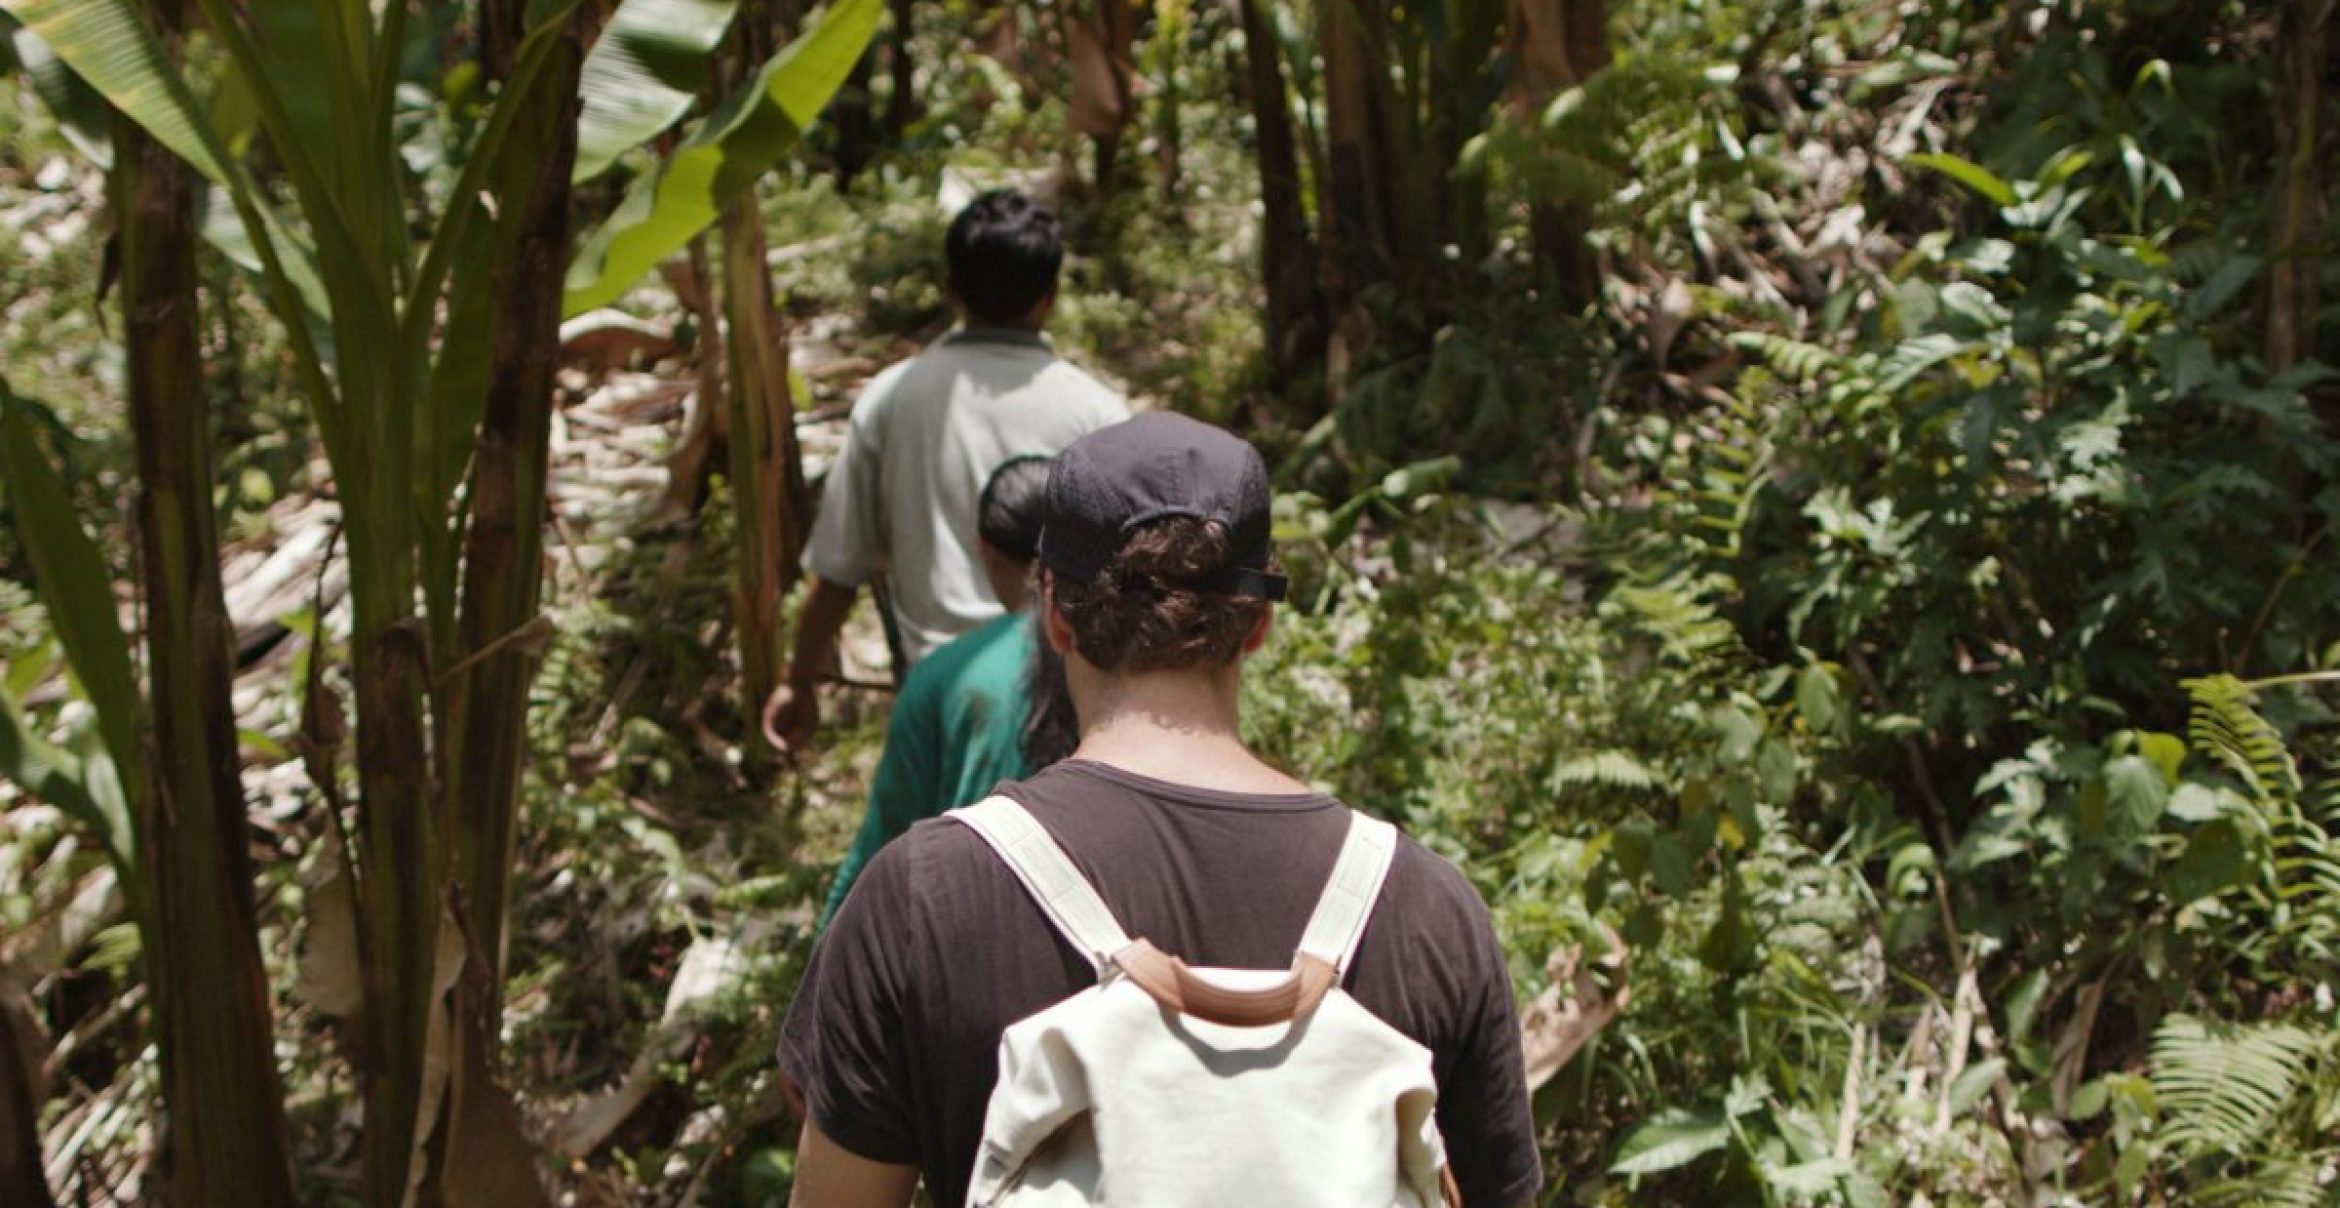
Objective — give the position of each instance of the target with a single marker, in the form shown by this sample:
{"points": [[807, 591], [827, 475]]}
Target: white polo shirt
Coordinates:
{"points": [[924, 437]]}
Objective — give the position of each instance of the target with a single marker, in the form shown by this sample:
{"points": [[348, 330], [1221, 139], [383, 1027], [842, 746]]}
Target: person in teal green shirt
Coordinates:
{"points": [[958, 726]]}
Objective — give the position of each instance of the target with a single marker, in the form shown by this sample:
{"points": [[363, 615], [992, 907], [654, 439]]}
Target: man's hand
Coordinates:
{"points": [[794, 711], [790, 717]]}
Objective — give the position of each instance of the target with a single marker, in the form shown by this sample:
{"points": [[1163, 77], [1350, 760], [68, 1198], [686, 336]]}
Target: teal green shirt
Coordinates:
{"points": [[957, 731]]}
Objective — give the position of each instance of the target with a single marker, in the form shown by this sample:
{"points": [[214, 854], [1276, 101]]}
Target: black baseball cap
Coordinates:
{"points": [[1146, 468]]}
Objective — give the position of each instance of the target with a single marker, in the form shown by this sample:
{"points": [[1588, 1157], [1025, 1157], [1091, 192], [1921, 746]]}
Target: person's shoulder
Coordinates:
{"points": [[1076, 386], [935, 860], [1426, 886], [878, 394], [970, 653]]}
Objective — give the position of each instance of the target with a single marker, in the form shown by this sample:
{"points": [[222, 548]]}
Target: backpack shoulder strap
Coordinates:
{"points": [[1339, 921], [1064, 895]]}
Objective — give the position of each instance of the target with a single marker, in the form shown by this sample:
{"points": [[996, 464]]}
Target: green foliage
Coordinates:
{"points": [[644, 72], [722, 157], [77, 589]]}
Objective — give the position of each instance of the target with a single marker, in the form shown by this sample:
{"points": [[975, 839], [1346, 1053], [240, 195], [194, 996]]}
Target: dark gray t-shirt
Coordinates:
{"points": [[894, 1035]]}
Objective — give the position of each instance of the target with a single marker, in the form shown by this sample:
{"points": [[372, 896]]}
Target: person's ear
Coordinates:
{"points": [[1042, 309], [1053, 626], [1259, 631]]}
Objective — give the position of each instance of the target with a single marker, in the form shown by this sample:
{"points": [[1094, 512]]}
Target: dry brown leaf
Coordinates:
{"points": [[612, 339], [438, 1047], [1573, 1007], [1666, 319], [2070, 1057], [709, 965], [490, 1160], [41, 946], [328, 976]]}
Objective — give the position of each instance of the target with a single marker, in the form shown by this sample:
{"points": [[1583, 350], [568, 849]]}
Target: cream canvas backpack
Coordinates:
{"points": [[1164, 1085]]}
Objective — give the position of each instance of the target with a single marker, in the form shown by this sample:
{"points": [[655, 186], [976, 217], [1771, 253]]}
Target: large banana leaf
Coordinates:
{"points": [[112, 49], [71, 576], [722, 158], [79, 110], [108, 45], [643, 73]]}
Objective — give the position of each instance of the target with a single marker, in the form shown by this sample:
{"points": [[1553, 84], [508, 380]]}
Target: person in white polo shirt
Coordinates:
{"points": [[901, 498]]}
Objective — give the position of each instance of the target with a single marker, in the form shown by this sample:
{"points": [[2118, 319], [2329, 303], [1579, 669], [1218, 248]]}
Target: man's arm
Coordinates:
{"points": [[828, 1175], [794, 711]]}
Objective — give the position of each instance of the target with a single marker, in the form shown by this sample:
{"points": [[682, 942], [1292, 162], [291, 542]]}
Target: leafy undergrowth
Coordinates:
{"points": [[1877, 662]]}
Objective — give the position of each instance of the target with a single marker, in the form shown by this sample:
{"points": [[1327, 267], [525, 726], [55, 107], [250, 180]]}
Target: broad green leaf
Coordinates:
{"points": [[2216, 858], [722, 158], [1982, 180], [2136, 792], [298, 52], [1673, 1137], [642, 75], [224, 230], [55, 776], [1973, 1083], [1807, 1179], [1816, 697], [71, 576], [2167, 751], [110, 47], [79, 111]]}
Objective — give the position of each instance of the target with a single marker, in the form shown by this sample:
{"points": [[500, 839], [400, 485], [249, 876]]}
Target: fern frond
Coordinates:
{"points": [[2286, 1182], [2225, 726], [2222, 1085], [1794, 360], [1610, 769]]}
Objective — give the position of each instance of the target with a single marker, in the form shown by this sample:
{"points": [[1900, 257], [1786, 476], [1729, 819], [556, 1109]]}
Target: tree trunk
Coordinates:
{"points": [[2302, 57], [399, 903], [485, 702], [1099, 41], [479, 1154], [1557, 45], [1359, 210], [226, 1142], [23, 1181], [902, 106], [767, 473], [1288, 265], [852, 115]]}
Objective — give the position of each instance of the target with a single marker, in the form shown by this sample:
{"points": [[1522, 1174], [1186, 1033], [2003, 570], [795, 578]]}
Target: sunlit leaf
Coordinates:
{"points": [[642, 75], [1671, 1138], [1982, 180], [723, 157]]}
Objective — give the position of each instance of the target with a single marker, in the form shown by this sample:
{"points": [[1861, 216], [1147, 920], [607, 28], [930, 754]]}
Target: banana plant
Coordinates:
{"points": [[431, 391]]}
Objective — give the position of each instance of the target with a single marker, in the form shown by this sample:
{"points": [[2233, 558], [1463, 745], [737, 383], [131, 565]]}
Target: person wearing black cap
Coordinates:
{"points": [[1156, 579]]}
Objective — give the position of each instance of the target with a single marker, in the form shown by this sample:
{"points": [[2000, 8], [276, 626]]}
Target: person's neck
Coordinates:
{"points": [[1175, 726]]}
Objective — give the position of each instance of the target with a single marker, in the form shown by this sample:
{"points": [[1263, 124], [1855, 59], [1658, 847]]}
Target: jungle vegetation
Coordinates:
{"points": [[1823, 508]]}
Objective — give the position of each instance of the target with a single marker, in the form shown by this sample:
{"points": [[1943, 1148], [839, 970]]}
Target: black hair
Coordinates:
{"points": [[1013, 505], [1004, 251], [1051, 730]]}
